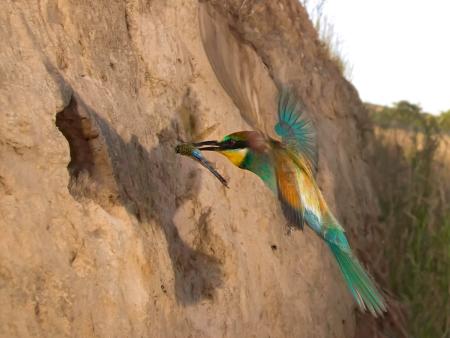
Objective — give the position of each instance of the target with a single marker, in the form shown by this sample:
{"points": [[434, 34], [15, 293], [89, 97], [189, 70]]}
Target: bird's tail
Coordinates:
{"points": [[358, 281]]}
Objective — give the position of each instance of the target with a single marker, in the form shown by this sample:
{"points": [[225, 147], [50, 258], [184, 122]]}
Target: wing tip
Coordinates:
{"points": [[294, 128]]}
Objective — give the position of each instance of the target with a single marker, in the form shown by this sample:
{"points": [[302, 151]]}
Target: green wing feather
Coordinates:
{"points": [[296, 131]]}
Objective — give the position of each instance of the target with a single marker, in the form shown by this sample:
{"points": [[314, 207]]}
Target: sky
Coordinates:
{"points": [[398, 49]]}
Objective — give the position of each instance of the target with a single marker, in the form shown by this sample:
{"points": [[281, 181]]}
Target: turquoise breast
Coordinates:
{"points": [[261, 165]]}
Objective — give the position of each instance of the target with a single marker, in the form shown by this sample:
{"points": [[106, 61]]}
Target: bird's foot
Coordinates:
{"points": [[289, 229]]}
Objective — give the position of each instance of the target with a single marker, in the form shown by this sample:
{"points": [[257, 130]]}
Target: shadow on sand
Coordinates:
{"points": [[150, 184]]}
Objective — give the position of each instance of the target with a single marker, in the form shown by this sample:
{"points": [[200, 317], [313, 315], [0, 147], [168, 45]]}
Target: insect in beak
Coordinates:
{"points": [[192, 150]]}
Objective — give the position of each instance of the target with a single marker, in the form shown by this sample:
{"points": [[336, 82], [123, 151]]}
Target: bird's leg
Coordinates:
{"points": [[289, 229]]}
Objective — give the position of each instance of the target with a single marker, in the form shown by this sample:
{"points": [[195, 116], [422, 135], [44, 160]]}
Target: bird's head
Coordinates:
{"points": [[233, 146]]}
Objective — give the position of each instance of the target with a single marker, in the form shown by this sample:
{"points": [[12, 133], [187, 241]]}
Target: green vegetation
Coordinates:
{"points": [[444, 121], [412, 175], [409, 116]]}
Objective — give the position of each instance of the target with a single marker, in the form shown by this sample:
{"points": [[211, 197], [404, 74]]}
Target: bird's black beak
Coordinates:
{"points": [[209, 146]]}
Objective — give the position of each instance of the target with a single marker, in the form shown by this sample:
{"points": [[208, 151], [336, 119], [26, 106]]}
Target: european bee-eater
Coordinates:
{"points": [[287, 168]]}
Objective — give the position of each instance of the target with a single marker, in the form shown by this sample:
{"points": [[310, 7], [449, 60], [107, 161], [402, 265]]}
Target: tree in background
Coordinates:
{"points": [[409, 116], [411, 172], [444, 121]]}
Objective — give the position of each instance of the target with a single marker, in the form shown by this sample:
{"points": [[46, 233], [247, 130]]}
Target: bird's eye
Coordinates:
{"points": [[231, 143]]}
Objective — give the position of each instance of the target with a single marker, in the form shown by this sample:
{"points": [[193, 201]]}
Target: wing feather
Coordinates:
{"points": [[289, 194], [239, 70], [295, 130]]}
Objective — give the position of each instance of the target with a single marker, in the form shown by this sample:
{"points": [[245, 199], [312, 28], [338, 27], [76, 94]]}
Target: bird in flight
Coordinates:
{"points": [[285, 162]]}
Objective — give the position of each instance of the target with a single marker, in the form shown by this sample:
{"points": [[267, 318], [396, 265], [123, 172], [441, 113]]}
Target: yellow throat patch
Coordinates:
{"points": [[236, 156]]}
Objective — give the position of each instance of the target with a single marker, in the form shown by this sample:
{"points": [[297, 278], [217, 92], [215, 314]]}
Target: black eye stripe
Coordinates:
{"points": [[233, 144]]}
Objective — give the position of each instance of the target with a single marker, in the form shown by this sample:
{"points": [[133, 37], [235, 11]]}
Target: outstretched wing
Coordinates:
{"points": [[287, 178], [239, 70], [295, 130]]}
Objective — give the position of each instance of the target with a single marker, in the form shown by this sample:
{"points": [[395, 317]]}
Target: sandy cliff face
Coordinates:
{"points": [[106, 232]]}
